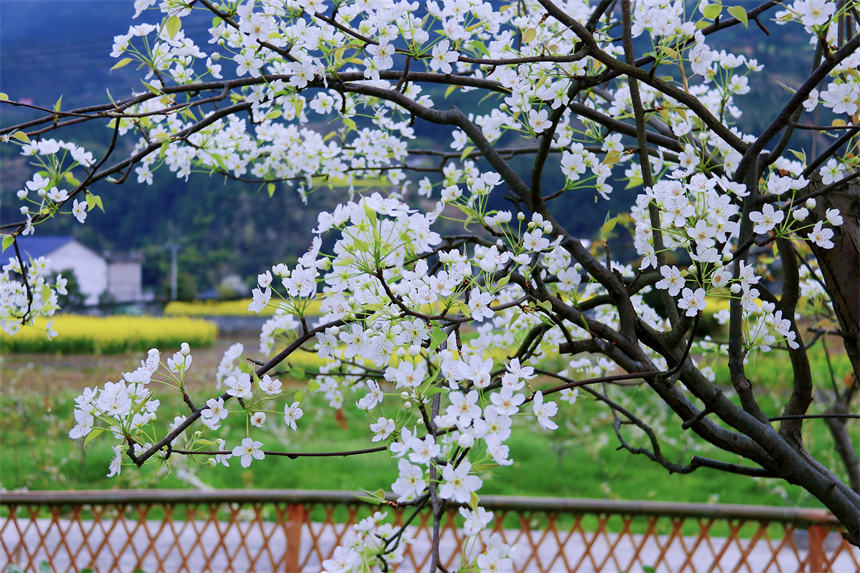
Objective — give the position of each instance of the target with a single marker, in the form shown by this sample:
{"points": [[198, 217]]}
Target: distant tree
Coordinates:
{"points": [[309, 94], [73, 298]]}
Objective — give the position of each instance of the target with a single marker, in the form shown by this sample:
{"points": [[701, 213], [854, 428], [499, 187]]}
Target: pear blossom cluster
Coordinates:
{"points": [[22, 303], [698, 217]]}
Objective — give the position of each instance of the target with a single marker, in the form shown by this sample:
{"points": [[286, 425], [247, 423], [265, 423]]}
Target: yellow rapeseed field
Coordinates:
{"points": [[110, 334], [213, 308], [225, 308]]}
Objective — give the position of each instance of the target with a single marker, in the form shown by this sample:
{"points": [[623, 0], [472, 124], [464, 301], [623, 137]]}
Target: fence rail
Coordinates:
{"points": [[287, 530]]}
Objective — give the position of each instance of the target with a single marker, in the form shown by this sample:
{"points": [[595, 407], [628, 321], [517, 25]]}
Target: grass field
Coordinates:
{"points": [[580, 460]]}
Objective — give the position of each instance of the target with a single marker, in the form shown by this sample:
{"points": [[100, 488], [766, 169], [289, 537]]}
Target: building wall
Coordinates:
{"points": [[124, 281], [90, 269]]}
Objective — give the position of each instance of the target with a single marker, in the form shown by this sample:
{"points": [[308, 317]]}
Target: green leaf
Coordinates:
{"points": [[799, 154], [466, 151], [338, 56], [529, 35], [151, 88], [298, 104], [271, 189], [479, 47], [376, 497], [607, 227], [4, 97], [95, 201], [634, 182], [45, 567], [58, 104], [711, 11], [740, 13], [21, 136], [297, 373], [121, 64], [172, 26], [94, 433], [473, 501], [7, 242], [612, 158], [313, 385], [437, 337], [449, 91], [349, 123], [299, 395], [71, 178]]}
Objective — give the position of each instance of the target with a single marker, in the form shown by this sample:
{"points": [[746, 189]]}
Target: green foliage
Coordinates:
{"points": [[38, 455], [73, 298]]}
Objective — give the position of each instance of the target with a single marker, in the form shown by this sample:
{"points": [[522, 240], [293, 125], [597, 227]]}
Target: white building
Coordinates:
{"points": [[118, 275]]}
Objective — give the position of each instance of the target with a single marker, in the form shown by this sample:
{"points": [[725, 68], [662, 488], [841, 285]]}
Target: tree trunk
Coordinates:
{"points": [[840, 267]]}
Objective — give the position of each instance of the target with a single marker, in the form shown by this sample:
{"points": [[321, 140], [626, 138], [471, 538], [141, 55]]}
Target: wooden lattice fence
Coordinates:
{"points": [[286, 530]]}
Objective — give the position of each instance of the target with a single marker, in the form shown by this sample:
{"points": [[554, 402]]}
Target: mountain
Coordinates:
{"points": [[50, 48]]}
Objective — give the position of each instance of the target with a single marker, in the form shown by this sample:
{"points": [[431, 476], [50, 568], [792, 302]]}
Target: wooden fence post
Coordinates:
{"points": [[296, 519], [817, 558]]}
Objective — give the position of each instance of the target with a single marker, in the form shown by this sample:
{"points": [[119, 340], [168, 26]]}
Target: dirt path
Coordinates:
{"points": [[46, 373]]}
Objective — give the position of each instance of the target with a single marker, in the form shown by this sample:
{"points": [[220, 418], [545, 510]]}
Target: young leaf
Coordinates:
{"points": [[21, 136], [94, 433], [711, 11], [4, 97], [172, 26], [529, 35], [612, 158], [607, 227], [740, 13], [58, 104], [297, 373], [151, 88], [122, 63], [94, 201], [7, 241]]}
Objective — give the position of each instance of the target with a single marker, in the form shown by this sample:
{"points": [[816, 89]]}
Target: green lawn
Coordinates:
{"points": [[580, 460]]}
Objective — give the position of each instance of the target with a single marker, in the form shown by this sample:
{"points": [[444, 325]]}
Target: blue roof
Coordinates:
{"points": [[42, 246]]}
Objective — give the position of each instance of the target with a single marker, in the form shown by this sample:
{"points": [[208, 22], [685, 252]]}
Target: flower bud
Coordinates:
{"points": [[810, 203]]}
